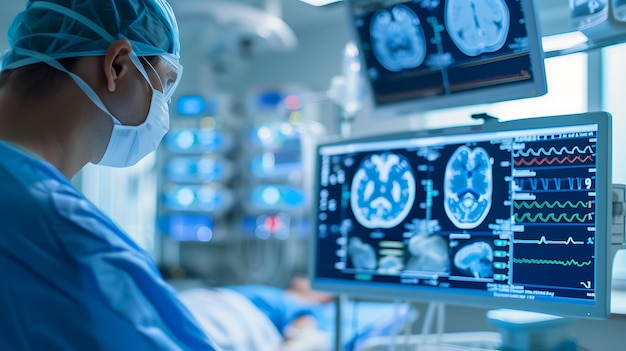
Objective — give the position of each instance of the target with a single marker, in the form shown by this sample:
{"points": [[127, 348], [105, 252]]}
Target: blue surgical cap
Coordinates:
{"points": [[57, 29]]}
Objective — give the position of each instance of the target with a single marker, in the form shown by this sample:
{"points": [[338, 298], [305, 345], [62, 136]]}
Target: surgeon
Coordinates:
{"points": [[84, 81]]}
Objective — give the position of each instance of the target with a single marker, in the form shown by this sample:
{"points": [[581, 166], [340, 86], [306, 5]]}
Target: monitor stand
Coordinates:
{"points": [[518, 331], [434, 340], [529, 331]]}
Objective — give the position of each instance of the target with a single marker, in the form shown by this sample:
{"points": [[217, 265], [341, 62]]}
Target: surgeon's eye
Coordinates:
{"points": [[169, 83]]}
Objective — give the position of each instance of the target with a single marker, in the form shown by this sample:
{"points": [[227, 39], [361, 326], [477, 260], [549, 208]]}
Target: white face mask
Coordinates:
{"points": [[129, 144]]}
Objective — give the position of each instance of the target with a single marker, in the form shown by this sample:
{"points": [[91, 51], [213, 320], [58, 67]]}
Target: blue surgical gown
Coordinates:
{"points": [[72, 280]]}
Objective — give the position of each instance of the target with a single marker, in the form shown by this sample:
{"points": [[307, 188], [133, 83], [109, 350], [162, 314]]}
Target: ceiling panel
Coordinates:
{"points": [[303, 17]]}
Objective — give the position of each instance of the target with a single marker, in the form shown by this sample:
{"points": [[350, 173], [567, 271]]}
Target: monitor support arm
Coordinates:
{"points": [[618, 236], [485, 117]]}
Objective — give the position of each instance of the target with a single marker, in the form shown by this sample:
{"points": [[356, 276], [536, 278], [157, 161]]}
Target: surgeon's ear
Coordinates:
{"points": [[117, 63]]}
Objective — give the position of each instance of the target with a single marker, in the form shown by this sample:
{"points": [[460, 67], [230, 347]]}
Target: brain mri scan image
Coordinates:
{"points": [[382, 191], [428, 252], [363, 255], [390, 265], [475, 260], [485, 29], [398, 38], [468, 187]]}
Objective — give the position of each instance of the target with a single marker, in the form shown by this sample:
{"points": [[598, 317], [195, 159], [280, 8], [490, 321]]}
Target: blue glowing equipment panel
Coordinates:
{"points": [[511, 214], [277, 197], [280, 154], [197, 198], [196, 141], [191, 105], [187, 227], [197, 169]]}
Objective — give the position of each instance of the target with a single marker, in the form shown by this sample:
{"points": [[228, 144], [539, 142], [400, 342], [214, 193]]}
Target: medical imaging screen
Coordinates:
{"points": [[507, 214], [427, 48]]}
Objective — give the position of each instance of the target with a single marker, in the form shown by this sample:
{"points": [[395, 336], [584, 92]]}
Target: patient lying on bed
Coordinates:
{"points": [[265, 318], [260, 317]]}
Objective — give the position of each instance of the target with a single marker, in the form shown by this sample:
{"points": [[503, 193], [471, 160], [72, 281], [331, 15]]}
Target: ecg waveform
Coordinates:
{"points": [[552, 217], [555, 183], [571, 262], [553, 151], [541, 205], [544, 241], [552, 160]]}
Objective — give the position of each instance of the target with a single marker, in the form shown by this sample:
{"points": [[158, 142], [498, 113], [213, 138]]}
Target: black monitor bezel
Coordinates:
{"points": [[603, 254]]}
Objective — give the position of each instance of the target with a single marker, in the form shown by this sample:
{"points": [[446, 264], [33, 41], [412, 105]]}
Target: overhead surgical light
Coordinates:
{"points": [[320, 2], [263, 30], [563, 41]]}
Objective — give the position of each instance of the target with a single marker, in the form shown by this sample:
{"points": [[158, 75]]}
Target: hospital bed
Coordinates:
{"points": [[236, 325]]}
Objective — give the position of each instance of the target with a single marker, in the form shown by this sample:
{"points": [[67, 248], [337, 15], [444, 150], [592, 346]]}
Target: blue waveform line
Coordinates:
{"points": [[554, 183], [553, 150]]}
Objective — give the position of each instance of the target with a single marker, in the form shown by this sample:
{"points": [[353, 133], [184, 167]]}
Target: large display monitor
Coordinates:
{"points": [[422, 55], [505, 214]]}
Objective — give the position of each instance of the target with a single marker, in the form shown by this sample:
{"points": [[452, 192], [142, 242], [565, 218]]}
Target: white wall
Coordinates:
{"points": [[613, 101]]}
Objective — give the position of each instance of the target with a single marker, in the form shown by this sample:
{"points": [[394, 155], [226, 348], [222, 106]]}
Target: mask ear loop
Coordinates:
{"points": [[135, 59], [157, 75], [88, 90]]}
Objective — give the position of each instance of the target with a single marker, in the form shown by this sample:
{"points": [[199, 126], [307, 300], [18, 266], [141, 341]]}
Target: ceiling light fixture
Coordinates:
{"points": [[320, 2]]}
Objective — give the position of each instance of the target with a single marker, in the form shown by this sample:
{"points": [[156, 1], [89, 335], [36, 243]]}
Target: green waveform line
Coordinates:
{"points": [[543, 240], [554, 204], [552, 217], [571, 262]]}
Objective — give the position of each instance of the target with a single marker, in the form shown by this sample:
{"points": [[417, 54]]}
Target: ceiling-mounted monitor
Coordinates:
{"points": [[423, 55], [514, 214]]}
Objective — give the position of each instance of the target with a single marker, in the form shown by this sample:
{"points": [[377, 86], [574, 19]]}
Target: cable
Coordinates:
{"points": [[411, 319], [441, 319], [426, 326], [395, 331], [355, 318]]}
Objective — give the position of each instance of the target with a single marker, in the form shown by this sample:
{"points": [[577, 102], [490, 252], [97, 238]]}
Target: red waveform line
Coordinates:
{"points": [[551, 161]]}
